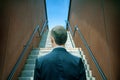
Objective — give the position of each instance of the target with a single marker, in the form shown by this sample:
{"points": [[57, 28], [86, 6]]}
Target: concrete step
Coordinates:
{"points": [[90, 78], [30, 61], [87, 67], [27, 73], [29, 67], [34, 52], [84, 61], [25, 78], [32, 56], [88, 73]]}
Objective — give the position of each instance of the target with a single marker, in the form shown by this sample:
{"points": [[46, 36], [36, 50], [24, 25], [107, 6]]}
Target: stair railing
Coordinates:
{"points": [[69, 27], [37, 28], [43, 28], [87, 47]]}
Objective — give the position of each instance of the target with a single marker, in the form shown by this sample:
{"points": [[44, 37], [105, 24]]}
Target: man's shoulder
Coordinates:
{"points": [[45, 56], [74, 56]]}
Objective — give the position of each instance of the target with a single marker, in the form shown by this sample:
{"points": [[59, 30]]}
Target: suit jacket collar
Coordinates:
{"points": [[59, 49]]}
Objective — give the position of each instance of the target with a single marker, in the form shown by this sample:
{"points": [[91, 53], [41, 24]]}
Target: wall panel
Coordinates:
{"points": [[98, 22], [19, 18]]}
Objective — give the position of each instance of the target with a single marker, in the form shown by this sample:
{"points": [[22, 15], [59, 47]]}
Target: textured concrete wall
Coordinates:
{"points": [[98, 22], [18, 18]]}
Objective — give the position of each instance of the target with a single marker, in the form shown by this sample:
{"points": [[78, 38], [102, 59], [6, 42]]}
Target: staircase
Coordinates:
{"points": [[45, 47]]}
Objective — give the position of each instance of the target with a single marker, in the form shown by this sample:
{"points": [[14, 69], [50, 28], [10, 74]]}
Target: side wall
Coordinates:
{"points": [[98, 22], [18, 18]]}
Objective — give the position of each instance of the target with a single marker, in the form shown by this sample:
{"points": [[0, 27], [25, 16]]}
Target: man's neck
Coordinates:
{"points": [[59, 46]]}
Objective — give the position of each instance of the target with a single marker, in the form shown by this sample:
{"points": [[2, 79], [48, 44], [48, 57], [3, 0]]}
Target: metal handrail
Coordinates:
{"points": [[43, 28], [89, 50], [25, 49], [68, 26]]}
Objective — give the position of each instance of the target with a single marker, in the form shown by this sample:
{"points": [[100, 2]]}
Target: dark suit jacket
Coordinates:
{"points": [[59, 65]]}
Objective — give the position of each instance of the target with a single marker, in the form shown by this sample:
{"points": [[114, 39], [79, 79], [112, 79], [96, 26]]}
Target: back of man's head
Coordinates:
{"points": [[59, 34]]}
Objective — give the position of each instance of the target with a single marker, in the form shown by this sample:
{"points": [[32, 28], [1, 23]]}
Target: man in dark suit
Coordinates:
{"points": [[59, 64]]}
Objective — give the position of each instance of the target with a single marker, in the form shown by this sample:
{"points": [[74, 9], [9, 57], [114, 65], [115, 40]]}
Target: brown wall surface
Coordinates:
{"points": [[18, 18], [98, 22]]}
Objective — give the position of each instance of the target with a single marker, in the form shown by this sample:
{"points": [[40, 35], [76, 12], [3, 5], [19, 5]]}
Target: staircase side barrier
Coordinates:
{"points": [[37, 28], [87, 47]]}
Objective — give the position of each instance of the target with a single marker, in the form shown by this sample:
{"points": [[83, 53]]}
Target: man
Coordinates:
{"points": [[59, 64]]}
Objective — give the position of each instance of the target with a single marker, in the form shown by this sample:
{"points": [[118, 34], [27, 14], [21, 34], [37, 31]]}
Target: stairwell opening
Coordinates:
{"points": [[57, 12]]}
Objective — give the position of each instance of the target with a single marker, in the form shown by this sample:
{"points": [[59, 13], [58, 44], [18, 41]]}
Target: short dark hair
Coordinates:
{"points": [[59, 34]]}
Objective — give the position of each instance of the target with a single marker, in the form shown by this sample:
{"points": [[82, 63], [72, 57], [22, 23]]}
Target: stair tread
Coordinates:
{"points": [[25, 78]]}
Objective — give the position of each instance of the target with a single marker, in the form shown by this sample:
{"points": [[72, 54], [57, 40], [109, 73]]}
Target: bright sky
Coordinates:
{"points": [[57, 12]]}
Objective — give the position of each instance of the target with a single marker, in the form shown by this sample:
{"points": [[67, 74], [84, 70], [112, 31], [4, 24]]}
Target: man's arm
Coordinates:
{"points": [[36, 71], [82, 70]]}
